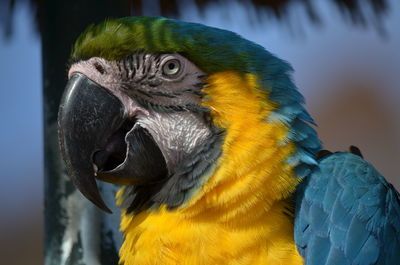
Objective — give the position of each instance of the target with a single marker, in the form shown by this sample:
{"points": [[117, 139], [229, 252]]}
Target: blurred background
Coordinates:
{"points": [[346, 59]]}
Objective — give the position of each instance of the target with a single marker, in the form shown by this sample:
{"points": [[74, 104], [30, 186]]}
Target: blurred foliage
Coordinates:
{"points": [[358, 12]]}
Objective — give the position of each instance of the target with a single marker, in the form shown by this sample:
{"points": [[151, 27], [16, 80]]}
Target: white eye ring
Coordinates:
{"points": [[171, 67]]}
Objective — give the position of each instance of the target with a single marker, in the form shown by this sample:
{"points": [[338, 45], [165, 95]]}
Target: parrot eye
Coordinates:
{"points": [[171, 67]]}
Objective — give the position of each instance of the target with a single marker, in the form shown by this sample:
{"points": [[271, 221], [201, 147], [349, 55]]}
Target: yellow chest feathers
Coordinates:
{"points": [[241, 214]]}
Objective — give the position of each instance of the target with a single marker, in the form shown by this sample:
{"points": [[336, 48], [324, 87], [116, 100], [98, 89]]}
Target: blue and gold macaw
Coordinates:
{"points": [[219, 164]]}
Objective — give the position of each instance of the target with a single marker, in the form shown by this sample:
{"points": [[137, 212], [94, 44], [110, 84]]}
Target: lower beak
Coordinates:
{"points": [[98, 140]]}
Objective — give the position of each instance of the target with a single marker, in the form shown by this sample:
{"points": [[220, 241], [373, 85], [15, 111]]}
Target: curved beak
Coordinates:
{"points": [[99, 140], [87, 117]]}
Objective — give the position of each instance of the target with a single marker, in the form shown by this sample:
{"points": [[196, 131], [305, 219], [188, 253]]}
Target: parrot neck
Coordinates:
{"points": [[241, 214]]}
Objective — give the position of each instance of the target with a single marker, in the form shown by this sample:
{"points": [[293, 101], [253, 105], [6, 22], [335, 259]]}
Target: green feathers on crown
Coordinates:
{"points": [[210, 48]]}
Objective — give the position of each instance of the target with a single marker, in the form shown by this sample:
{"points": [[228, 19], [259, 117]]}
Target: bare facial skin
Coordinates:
{"points": [[159, 91]]}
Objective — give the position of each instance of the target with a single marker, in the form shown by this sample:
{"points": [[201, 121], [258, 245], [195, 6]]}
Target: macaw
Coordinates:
{"points": [[216, 155]]}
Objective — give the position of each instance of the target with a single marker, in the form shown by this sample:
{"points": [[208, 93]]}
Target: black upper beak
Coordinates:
{"points": [[87, 114], [97, 139]]}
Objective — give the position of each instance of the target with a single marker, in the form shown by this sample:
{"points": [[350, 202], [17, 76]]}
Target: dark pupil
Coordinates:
{"points": [[171, 66]]}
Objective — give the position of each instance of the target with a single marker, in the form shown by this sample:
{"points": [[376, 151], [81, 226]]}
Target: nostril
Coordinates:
{"points": [[99, 67]]}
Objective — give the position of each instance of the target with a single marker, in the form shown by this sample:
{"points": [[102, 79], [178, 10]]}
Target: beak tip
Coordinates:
{"points": [[102, 205], [104, 208], [98, 201], [91, 192]]}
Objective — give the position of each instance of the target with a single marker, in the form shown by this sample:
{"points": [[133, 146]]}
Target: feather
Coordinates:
{"points": [[359, 209]]}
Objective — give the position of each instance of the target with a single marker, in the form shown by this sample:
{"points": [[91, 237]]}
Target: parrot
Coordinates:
{"points": [[217, 159]]}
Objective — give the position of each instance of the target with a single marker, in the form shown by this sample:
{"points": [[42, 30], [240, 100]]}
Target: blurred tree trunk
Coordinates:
{"points": [[75, 231]]}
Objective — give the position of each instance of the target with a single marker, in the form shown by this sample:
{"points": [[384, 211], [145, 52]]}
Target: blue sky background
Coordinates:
{"points": [[21, 140], [349, 76], [21, 144]]}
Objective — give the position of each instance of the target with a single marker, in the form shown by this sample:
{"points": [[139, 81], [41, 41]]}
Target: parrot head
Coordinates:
{"points": [[139, 109]]}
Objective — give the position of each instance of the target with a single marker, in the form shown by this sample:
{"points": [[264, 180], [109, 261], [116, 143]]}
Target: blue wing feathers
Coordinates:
{"points": [[339, 216], [319, 250], [336, 256], [319, 220], [346, 213], [368, 251], [302, 170], [359, 243]]}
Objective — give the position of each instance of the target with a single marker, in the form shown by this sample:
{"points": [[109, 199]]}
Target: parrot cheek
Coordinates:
{"points": [[98, 139]]}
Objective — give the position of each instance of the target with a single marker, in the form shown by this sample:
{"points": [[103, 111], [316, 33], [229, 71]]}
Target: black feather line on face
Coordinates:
{"points": [[161, 94], [131, 67], [126, 66], [168, 108], [147, 94]]}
